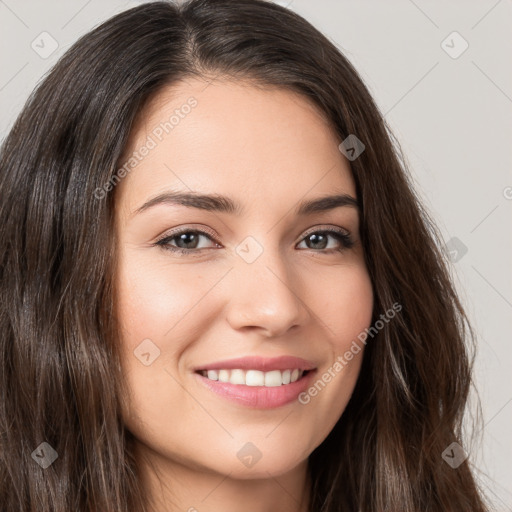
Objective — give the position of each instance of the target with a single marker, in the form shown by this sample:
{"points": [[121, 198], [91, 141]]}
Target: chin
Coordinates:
{"points": [[248, 463]]}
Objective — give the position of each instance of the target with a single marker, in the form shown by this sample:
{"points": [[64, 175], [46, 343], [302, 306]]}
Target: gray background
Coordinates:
{"points": [[451, 115]]}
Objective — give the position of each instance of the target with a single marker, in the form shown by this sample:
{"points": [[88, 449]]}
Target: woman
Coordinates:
{"points": [[178, 330]]}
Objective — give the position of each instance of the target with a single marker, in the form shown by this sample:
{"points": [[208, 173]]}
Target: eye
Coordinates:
{"points": [[187, 241], [320, 240]]}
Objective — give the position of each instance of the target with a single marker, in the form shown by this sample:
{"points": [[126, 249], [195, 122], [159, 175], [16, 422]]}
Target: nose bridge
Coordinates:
{"points": [[264, 294]]}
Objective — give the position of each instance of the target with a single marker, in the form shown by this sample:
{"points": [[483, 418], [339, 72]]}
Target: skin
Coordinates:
{"points": [[268, 149]]}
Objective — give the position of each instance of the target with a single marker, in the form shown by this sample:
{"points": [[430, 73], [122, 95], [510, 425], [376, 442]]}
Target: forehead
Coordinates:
{"points": [[262, 146]]}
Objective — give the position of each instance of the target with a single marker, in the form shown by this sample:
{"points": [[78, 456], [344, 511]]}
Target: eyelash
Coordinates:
{"points": [[346, 240]]}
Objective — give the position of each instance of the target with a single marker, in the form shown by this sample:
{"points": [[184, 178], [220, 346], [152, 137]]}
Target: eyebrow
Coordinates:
{"points": [[223, 204]]}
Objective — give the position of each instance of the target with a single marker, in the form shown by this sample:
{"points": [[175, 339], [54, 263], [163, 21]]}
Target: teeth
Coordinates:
{"points": [[237, 377], [254, 377], [224, 375], [273, 378]]}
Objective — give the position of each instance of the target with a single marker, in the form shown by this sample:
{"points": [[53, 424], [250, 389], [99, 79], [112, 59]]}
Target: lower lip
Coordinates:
{"points": [[259, 397]]}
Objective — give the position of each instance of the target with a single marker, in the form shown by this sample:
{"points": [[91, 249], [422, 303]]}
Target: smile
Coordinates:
{"points": [[241, 377], [260, 383]]}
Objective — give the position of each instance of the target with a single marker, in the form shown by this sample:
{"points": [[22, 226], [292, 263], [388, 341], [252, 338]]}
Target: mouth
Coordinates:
{"points": [[259, 383], [253, 378]]}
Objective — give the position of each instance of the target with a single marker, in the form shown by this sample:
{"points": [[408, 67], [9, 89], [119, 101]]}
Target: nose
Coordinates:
{"points": [[266, 295]]}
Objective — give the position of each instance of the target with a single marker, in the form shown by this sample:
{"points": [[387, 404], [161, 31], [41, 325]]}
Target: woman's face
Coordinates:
{"points": [[201, 283]]}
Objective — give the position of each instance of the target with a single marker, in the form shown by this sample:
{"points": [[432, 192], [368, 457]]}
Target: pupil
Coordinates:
{"points": [[315, 237], [183, 238]]}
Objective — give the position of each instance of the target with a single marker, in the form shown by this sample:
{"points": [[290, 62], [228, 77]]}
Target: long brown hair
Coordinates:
{"points": [[60, 376]]}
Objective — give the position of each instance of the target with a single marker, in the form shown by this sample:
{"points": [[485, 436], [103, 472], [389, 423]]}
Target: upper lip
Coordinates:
{"points": [[260, 363]]}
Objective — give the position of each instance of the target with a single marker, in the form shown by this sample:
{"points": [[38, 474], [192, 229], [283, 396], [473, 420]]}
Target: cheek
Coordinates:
{"points": [[156, 316], [345, 307], [156, 299], [342, 300], [353, 312]]}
